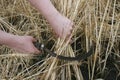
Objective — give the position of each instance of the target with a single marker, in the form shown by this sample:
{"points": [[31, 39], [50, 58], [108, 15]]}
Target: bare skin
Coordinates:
{"points": [[23, 44], [61, 25]]}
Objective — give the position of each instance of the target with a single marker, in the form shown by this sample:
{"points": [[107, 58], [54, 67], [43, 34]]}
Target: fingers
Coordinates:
{"points": [[69, 34], [36, 51], [33, 48]]}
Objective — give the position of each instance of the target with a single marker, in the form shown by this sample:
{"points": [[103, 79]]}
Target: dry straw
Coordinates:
{"points": [[97, 22]]}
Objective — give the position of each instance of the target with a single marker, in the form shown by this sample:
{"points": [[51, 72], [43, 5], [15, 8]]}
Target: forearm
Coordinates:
{"points": [[46, 8], [61, 25], [5, 38]]}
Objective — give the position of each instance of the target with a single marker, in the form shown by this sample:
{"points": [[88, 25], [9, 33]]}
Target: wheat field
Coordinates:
{"points": [[96, 22]]}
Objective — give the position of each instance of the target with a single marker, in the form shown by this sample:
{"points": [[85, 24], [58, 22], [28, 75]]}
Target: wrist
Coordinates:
{"points": [[52, 16], [11, 39], [5, 38]]}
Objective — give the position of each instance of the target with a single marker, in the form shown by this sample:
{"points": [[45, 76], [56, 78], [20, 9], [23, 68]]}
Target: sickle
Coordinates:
{"points": [[79, 57]]}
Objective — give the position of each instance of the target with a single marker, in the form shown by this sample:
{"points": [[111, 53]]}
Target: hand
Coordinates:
{"points": [[62, 26], [23, 44]]}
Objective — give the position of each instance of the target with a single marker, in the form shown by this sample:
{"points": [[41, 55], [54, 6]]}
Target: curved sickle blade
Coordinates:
{"points": [[76, 58]]}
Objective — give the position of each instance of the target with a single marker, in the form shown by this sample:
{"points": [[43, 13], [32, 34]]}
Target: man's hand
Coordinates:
{"points": [[23, 44], [62, 26]]}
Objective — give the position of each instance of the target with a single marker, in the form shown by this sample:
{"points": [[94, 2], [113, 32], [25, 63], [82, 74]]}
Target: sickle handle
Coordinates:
{"points": [[76, 58], [38, 45]]}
